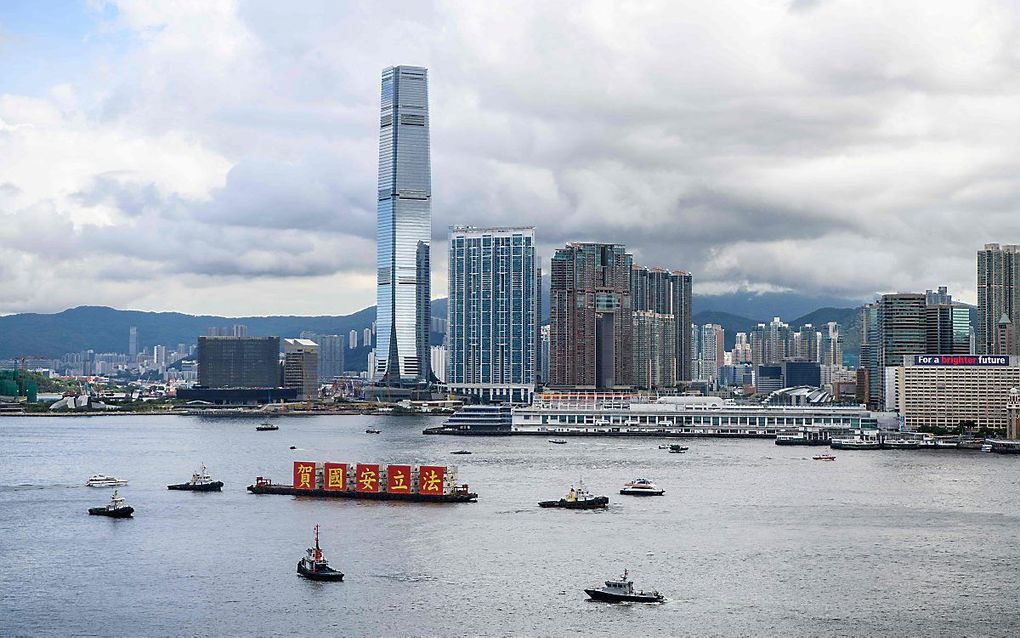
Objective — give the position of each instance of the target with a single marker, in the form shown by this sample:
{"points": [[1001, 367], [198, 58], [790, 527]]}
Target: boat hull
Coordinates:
{"points": [[122, 512], [326, 576], [836, 445], [605, 597], [215, 486], [627, 492], [599, 502], [289, 490]]}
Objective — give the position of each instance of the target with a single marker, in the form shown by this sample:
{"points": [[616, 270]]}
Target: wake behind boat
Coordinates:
{"points": [[622, 591], [200, 482], [578, 499]]}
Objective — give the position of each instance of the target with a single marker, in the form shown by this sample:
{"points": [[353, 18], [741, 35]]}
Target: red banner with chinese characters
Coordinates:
{"points": [[398, 479], [304, 475], [430, 479], [366, 478], [334, 476]]}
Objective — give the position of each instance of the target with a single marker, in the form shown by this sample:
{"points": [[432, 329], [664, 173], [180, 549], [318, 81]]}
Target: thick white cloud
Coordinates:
{"points": [[220, 157]]}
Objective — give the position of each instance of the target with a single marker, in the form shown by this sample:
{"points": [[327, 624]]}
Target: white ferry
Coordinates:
{"points": [[595, 413]]}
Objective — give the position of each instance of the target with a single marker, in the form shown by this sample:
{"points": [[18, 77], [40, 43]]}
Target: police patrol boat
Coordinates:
{"points": [[622, 591]]}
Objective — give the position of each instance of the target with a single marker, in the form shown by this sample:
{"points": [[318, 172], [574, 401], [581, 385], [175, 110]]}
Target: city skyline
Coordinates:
{"points": [[231, 175]]}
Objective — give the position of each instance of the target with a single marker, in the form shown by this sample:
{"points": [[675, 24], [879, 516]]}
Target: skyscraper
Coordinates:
{"points": [[239, 362], [353, 340], [998, 283], [590, 323], [654, 349], [132, 343], [901, 331], [947, 329], [493, 314], [301, 367], [404, 229]]}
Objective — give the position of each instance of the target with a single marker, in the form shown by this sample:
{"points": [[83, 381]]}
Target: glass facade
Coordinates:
{"points": [[493, 312], [404, 229]]}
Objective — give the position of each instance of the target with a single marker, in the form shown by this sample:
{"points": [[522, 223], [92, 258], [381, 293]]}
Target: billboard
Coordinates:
{"points": [[430, 479], [334, 476], [961, 360], [366, 478], [398, 479], [304, 475]]}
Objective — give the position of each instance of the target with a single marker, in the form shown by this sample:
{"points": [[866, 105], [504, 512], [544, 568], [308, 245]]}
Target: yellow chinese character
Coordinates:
{"points": [[305, 475], [398, 481], [432, 482], [336, 477], [367, 479]]}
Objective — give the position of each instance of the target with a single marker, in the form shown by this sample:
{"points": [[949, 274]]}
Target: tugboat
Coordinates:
{"points": [[641, 487], [102, 480], [200, 482], [266, 427], [578, 499], [314, 566], [116, 508], [622, 591], [824, 457]]}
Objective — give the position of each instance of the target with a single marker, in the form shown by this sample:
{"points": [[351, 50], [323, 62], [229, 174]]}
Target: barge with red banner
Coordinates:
{"points": [[421, 483]]}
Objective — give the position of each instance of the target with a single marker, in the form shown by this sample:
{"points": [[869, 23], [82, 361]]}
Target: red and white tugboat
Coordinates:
{"points": [[314, 565], [622, 591]]}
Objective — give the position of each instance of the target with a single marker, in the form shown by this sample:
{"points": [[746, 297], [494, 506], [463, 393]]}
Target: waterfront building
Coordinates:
{"points": [[493, 313], [352, 340], [901, 331], [239, 362], [590, 317], [654, 349], [947, 328], [998, 283], [301, 367], [1013, 415], [868, 385], [668, 293], [404, 230], [945, 391]]}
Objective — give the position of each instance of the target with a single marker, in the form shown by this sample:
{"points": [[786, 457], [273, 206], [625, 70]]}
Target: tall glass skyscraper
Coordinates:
{"points": [[493, 313], [404, 229]]}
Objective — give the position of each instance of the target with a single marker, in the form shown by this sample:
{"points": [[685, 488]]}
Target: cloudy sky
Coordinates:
{"points": [[220, 157]]}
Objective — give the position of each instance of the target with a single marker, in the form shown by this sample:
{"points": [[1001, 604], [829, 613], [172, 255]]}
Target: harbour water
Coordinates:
{"points": [[750, 538]]}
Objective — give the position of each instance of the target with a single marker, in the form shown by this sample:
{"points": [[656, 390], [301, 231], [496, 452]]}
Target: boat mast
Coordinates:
{"points": [[318, 552]]}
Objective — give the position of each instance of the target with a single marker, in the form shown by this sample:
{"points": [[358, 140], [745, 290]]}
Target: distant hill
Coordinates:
{"points": [[785, 305]]}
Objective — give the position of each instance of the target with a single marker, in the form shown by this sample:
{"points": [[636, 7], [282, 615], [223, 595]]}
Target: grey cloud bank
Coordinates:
{"points": [[223, 159]]}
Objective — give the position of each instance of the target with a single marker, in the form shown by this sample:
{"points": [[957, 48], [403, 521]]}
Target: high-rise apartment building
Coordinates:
{"points": [[301, 367], [352, 340], [493, 313], [132, 343], [667, 293], [741, 349], [998, 284], [331, 356], [655, 359], [590, 317], [366, 338], [832, 345], [239, 362], [708, 352], [404, 229], [769, 342]]}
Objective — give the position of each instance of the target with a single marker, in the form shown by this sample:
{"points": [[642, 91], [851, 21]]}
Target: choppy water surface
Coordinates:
{"points": [[750, 538]]}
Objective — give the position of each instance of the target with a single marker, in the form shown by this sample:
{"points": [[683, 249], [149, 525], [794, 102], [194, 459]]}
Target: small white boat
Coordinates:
{"points": [[558, 441], [641, 487], [102, 480], [824, 457], [987, 447]]}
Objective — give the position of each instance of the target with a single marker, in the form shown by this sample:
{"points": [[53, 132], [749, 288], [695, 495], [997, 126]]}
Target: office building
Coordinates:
{"points": [[331, 357], [132, 343], [239, 362], [801, 373], [998, 283], [901, 331], [668, 293], [404, 230], [768, 378], [947, 328], [493, 313], [352, 340], [654, 350], [947, 391], [301, 367], [590, 317]]}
